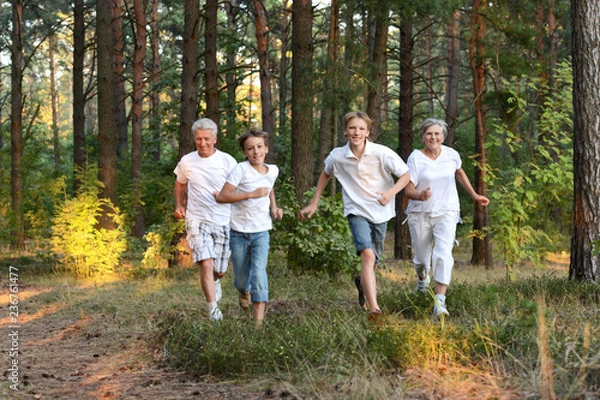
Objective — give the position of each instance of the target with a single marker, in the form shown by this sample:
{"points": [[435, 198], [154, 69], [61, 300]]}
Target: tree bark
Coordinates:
{"points": [[284, 63], [120, 92], [155, 121], [329, 120], [453, 77], [211, 72], [79, 155], [302, 96], [16, 125], [54, 104], [107, 131], [482, 250], [189, 77], [139, 54], [232, 8], [585, 260], [266, 100], [402, 242], [377, 66]]}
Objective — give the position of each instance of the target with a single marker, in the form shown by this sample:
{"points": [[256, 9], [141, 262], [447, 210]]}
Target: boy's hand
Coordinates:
{"points": [[260, 192], [307, 212], [277, 213]]}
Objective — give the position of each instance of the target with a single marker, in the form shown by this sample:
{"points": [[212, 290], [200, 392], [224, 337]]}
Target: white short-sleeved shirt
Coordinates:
{"points": [[363, 178], [439, 176], [204, 176], [251, 215]]}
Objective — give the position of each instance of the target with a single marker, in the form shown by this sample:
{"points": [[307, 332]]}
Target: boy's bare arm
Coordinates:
{"points": [[388, 195], [310, 209], [227, 194], [276, 212]]}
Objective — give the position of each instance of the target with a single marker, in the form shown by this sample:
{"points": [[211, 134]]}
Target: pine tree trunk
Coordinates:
{"points": [[155, 124], [482, 250], [378, 61], [120, 92], [266, 101], [107, 132], [16, 125], [585, 260], [453, 76], [139, 54], [189, 77], [302, 96], [402, 243], [79, 154], [211, 72], [328, 125]]}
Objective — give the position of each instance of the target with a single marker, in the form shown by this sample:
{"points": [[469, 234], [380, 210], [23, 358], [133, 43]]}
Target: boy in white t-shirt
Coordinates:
{"points": [[365, 170], [200, 174], [249, 188]]}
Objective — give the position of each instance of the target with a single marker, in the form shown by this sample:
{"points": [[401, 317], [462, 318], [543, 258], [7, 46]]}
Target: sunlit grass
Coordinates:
{"points": [[316, 342]]}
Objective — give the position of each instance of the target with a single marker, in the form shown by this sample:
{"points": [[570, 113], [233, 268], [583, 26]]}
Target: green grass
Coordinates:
{"points": [[317, 343]]}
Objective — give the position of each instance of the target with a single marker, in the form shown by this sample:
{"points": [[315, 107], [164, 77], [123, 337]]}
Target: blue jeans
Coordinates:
{"points": [[249, 254], [367, 235]]}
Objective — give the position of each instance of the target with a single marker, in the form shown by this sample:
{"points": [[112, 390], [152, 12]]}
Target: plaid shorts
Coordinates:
{"points": [[209, 241]]}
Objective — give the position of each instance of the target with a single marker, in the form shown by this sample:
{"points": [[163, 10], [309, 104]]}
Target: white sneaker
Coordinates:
{"points": [[218, 290], [439, 308], [423, 285], [216, 315]]}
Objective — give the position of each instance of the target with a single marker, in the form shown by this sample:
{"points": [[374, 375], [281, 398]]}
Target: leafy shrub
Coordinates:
{"points": [[161, 246], [322, 243], [86, 249], [532, 198]]}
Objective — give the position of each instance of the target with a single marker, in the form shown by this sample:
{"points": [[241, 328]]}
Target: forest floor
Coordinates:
{"points": [[65, 353]]}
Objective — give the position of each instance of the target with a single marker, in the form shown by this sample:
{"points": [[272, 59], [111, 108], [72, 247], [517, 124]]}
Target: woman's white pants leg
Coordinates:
{"points": [[433, 237]]}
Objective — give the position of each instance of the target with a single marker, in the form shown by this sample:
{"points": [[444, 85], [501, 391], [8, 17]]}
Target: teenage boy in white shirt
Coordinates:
{"points": [[366, 172]]}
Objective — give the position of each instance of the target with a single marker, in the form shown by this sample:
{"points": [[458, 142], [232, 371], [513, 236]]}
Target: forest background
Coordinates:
{"points": [[108, 93]]}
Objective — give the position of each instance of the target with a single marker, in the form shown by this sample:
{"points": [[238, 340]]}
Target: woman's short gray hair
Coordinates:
{"points": [[204, 124], [430, 122]]}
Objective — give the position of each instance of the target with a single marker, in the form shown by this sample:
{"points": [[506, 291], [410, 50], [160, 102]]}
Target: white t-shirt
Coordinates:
{"points": [[204, 176], [439, 176], [363, 178], [251, 215]]}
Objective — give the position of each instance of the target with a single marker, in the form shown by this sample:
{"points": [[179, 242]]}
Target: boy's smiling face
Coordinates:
{"points": [[356, 131], [255, 150]]}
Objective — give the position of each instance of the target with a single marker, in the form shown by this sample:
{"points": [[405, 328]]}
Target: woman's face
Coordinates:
{"points": [[433, 137]]}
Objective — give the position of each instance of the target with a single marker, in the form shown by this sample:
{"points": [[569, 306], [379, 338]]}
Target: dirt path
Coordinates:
{"points": [[62, 355]]}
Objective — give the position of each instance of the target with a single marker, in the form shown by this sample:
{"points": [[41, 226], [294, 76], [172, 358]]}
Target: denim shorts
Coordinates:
{"points": [[367, 235], [249, 254]]}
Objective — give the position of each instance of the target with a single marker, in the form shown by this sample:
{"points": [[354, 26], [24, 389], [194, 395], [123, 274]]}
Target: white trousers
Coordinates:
{"points": [[433, 237]]}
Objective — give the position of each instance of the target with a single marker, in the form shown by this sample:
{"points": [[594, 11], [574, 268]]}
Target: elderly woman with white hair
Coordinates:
{"points": [[434, 208]]}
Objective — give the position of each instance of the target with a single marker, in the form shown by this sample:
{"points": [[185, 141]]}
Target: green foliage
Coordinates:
{"points": [[160, 239], [322, 243], [86, 249], [532, 198]]}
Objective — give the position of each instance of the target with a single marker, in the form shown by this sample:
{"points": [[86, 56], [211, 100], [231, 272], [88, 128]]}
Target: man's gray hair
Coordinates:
{"points": [[204, 124]]}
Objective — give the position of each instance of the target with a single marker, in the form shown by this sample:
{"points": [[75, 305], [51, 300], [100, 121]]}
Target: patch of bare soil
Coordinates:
{"points": [[62, 355]]}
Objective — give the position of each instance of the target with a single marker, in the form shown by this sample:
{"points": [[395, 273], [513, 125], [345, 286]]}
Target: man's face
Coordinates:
{"points": [[205, 142]]}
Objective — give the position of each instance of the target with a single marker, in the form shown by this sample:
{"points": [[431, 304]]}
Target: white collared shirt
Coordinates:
{"points": [[362, 179]]}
